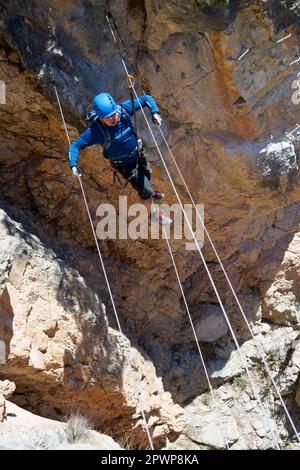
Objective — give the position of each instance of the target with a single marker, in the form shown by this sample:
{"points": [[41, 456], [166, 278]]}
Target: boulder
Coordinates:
{"points": [[7, 388]]}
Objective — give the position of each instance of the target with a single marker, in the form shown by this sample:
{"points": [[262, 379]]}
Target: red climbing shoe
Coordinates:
{"points": [[158, 217]]}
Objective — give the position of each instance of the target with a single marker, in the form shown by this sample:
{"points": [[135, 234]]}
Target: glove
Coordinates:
{"points": [[76, 170], [156, 118]]}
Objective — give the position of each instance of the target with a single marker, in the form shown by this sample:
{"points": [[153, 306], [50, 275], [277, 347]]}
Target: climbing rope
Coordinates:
{"points": [[127, 354], [225, 441], [124, 65], [257, 344], [243, 360]]}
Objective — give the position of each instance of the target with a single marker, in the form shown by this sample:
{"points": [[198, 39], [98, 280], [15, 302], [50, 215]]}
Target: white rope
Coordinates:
{"points": [[243, 361], [185, 303], [295, 61], [284, 39], [225, 441], [259, 348], [127, 354], [246, 52], [261, 352], [111, 30], [184, 298], [50, 340], [61, 112]]}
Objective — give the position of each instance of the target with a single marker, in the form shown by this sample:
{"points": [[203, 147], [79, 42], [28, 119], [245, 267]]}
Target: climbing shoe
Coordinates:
{"points": [[158, 217], [157, 196]]}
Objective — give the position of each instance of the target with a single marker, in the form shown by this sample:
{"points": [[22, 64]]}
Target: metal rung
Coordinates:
{"points": [[283, 39], [295, 61], [246, 52], [290, 134]]}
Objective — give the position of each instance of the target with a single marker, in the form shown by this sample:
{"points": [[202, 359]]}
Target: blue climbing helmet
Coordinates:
{"points": [[104, 105]]}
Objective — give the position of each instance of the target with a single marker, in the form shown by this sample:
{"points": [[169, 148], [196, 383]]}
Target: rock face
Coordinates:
{"points": [[7, 388], [25, 431], [229, 99], [59, 348], [278, 158], [233, 418], [281, 299]]}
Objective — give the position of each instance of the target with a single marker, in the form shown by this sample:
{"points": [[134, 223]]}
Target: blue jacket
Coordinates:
{"points": [[123, 146]]}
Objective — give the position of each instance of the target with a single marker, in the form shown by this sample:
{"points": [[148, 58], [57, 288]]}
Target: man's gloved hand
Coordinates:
{"points": [[76, 170], [156, 118]]}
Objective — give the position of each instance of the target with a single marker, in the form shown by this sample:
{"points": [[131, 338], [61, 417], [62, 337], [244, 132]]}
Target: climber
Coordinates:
{"points": [[111, 127]]}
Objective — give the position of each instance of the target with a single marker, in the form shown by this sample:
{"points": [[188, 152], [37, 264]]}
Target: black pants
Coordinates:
{"points": [[138, 173]]}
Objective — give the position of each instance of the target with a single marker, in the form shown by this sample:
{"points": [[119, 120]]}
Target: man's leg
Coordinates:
{"points": [[149, 197], [144, 164], [142, 185]]}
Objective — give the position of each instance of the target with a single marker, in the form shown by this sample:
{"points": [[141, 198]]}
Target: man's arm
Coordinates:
{"points": [[84, 140], [145, 100]]}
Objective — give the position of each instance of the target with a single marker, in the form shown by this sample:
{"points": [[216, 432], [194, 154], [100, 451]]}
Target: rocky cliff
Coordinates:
{"points": [[22, 430], [227, 88]]}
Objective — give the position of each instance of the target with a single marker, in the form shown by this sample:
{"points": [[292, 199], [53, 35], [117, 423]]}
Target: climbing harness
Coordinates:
{"points": [[93, 118], [117, 181]]}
